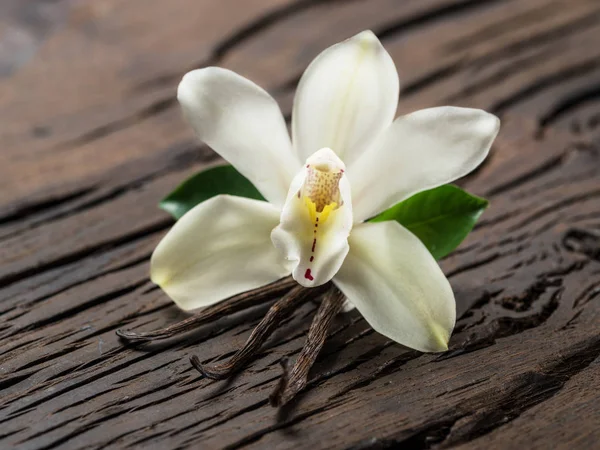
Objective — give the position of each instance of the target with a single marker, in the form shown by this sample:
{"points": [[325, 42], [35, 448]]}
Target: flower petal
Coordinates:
{"points": [[398, 287], [219, 248], [316, 220], [242, 123], [420, 151], [346, 97]]}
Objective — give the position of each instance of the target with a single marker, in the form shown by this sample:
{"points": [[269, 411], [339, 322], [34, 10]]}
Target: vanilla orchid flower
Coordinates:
{"points": [[347, 161]]}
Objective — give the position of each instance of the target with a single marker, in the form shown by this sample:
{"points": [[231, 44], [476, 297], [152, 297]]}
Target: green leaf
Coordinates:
{"points": [[206, 184], [440, 217]]}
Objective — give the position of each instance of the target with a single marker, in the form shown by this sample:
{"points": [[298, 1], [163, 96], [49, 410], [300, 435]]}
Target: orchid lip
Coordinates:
{"points": [[316, 220]]}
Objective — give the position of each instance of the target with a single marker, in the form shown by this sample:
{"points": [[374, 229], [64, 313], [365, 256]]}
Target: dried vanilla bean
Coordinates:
{"points": [[295, 380], [226, 307], [276, 314]]}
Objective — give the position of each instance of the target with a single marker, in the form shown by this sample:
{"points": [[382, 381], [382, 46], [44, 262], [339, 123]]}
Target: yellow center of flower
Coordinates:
{"points": [[321, 191]]}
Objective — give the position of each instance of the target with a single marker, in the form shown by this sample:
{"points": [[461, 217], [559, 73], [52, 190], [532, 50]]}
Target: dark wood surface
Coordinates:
{"points": [[91, 138]]}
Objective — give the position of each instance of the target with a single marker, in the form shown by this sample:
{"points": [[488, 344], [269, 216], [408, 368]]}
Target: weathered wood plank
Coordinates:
{"points": [[78, 223]]}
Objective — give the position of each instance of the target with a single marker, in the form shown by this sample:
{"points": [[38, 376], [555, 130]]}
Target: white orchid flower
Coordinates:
{"points": [[347, 161]]}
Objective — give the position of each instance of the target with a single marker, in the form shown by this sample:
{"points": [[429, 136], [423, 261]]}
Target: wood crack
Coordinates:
{"points": [[433, 15], [569, 103], [20, 212], [10, 278], [543, 83]]}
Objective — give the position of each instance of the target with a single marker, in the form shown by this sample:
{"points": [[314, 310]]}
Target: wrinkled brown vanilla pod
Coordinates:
{"points": [[226, 307], [294, 381], [276, 314]]}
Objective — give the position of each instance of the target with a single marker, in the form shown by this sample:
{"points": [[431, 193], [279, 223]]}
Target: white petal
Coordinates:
{"points": [[219, 248], [420, 151], [316, 220], [346, 97], [242, 123], [398, 287]]}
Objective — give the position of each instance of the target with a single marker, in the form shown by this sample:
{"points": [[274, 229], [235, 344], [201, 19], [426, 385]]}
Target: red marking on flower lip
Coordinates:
{"points": [[314, 243], [312, 258], [308, 275]]}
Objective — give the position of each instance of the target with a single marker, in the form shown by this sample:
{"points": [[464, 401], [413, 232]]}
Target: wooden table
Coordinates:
{"points": [[91, 138]]}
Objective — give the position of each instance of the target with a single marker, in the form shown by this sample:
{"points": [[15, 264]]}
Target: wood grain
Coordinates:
{"points": [[92, 138]]}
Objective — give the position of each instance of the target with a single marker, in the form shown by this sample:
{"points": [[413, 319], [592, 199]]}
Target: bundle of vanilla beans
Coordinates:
{"points": [[292, 380]]}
